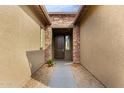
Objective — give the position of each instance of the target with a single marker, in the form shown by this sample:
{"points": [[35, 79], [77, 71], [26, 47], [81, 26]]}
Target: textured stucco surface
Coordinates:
{"points": [[29, 11], [102, 44], [36, 58], [42, 38], [18, 33]]}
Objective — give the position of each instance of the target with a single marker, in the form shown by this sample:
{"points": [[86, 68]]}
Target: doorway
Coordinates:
{"points": [[62, 44], [59, 45]]}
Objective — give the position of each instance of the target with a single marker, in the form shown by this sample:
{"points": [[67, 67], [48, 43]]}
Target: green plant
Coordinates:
{"points": [[50, 62]]}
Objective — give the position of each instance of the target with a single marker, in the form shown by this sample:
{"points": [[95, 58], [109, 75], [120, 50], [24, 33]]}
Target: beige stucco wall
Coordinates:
{"points": [[18, 33], [42, 39], [102, 44], [29, 11], [36, 58]]}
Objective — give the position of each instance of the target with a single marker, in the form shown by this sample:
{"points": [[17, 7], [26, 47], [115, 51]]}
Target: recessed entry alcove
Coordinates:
{"points": [[62, 43]]}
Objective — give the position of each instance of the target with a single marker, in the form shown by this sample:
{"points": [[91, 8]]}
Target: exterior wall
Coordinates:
{"points": [[62, 20], [28, 10], [48, 43], [36, 58], [42, 38], [76, 44], [19, 33], [102, 44]]}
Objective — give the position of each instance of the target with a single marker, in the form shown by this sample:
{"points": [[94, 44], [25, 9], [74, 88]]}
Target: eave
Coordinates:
{"points": [[45, 14], [80, 15], [42, 14]]}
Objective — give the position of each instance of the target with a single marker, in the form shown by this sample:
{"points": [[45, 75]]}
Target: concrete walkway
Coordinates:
{"points": [[62, 76]]}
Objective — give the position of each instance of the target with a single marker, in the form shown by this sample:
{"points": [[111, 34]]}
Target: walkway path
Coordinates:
{"points": [[62, 76]]}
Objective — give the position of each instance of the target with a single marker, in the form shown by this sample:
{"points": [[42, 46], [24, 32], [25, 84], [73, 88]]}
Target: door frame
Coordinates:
{"points": [[69, 33], [63, 51]]}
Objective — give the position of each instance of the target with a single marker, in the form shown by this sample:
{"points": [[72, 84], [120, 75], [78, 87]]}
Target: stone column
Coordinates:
{"points": [[76, 44], [48, 43]]}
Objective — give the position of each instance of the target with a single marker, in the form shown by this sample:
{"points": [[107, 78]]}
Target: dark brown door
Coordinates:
{"points": [[59, 47]]}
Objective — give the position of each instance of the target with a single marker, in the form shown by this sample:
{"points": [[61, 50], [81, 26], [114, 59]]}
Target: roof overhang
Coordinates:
{"points": [[81, 13], [41, 12], [45, 14]]}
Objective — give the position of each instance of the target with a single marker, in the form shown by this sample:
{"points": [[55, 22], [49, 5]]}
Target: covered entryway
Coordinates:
{"points": [[62, 44]]}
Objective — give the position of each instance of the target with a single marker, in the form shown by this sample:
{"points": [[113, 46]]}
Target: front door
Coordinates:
{"points": [[59, 47]]}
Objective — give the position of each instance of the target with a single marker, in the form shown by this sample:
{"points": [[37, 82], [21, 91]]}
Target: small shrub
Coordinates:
{"points": [[50, 62]]}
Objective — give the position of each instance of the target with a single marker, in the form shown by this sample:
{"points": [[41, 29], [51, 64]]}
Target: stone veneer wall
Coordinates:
{"points": [[48, 43], [76, 44], [62, 21]]}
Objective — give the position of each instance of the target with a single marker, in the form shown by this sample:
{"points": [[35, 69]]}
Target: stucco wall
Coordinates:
{"points": [[102, 44], [19, 33], [28, 9], [36, 58], [42, 38]]}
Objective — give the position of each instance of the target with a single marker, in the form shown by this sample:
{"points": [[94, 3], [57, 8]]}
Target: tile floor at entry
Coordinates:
{"points": [[63, 75]]}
